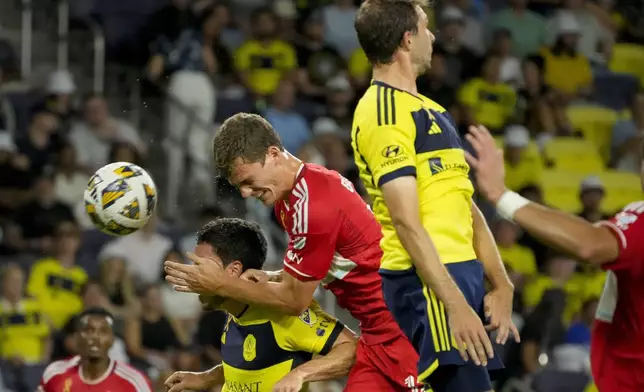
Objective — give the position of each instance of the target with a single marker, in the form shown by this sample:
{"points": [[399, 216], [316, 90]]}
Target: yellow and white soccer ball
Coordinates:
{"points": [[120, 198]]}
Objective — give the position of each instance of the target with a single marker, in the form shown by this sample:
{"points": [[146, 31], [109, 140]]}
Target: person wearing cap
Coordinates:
{"points": [[522, 168], [487, 100], [340, 101], [591, 194], [567, 71]]}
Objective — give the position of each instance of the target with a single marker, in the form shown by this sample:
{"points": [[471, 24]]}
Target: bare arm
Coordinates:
{"points": [[335, 364], [568, 233], [290, 296], [401, 198], [488, 253]]}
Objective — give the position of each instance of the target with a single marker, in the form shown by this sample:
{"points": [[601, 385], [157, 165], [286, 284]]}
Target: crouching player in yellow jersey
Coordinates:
{"points": [[437, 246], [264, 351]]}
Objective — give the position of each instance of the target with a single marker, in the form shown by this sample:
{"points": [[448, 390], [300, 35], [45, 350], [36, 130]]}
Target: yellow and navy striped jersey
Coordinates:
{"points": [[23, 330], [395, 134], [57, 288], [260, 347]]}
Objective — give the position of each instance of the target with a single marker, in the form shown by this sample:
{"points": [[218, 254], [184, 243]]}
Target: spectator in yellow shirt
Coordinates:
{"points": [[57, 281], [518, 257], [523, 164], [565, 69], [489, 102], [24, 331], [264, 60]]}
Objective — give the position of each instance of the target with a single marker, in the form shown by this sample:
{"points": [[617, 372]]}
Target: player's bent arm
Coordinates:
{"points": [[335, 364], [290, 296], [487, 252], [401, 197], [566, 232]]}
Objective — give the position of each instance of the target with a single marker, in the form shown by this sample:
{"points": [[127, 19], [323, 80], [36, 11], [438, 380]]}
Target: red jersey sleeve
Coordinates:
{"points": [[312, 245], [628, 228]]}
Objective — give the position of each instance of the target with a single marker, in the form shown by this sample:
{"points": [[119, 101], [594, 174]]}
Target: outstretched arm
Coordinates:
{"points": [[566, 232], [335, 364]]}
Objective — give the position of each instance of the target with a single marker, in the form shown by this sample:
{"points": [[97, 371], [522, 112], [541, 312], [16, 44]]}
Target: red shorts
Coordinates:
{"points": [[618, 375], [385, 367]]}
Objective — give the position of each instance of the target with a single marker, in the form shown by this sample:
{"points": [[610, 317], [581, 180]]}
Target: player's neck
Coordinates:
{"points": [[234, 307], [292, 167], [397, 74], [92, 370]]}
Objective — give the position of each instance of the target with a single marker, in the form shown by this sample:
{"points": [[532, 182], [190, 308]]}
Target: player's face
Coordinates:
{"points": [[95, 337], [256, 179], [234, 269], [422, 44]]}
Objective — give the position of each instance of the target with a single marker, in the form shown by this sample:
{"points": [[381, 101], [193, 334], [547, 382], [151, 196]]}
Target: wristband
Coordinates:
{"points": [[509, 203]]}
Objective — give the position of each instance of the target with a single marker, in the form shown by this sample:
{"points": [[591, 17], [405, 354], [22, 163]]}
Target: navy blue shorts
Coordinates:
{"points": [[423, 319]]}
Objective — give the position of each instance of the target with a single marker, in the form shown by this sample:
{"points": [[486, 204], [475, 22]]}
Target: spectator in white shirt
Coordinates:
{"points": [[144, 252], [70, 180], [93, 137]]}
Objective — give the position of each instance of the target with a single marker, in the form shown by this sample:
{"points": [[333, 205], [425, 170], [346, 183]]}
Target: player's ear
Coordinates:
{"points": [[235, 268], [406, 41]]}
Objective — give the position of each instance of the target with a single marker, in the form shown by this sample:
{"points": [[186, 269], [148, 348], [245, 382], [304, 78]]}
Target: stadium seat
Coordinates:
{"points": [[622, 188], [596, 124], [573, 155], [532, 150], [615, 90], [561, 189], [628, 58]]}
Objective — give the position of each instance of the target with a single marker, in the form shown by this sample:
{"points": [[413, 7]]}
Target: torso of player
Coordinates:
{"points": [[327, 220], [65, 376], [258, 348], [619, 329], [396, 134]]}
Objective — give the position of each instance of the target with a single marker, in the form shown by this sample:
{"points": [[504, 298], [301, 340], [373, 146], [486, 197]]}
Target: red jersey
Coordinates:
{"points": [[617, 348], [334, 237], [65, 376]]}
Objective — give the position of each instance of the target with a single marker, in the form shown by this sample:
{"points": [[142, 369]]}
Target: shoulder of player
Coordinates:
{"points": [[59, 368], [131, 376]]}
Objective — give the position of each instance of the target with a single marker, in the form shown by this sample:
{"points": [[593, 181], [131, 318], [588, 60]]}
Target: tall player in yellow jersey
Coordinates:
{"points": [[437, 246]]}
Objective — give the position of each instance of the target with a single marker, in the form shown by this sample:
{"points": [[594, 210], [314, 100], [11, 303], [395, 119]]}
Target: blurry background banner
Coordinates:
{"points": [[85, 83]]}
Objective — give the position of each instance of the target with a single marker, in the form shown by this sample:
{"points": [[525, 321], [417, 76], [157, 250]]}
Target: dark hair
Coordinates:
{"points": [[118, 145], [99, 312], [89, 283], [235, 239], [246, 136], [382, 24], [261, 11]]}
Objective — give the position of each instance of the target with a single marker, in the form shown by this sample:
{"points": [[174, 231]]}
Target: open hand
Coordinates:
{"points": [[471, 338], [188, 381], [205, 276], [498, 309]]}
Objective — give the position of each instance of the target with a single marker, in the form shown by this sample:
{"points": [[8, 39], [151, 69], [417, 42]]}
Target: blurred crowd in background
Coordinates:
{"points": [[558, 81]]}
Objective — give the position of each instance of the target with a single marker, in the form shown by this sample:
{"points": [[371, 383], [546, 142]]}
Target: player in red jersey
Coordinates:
{"points": [[334, 240], [93, 370], [617, 245]]}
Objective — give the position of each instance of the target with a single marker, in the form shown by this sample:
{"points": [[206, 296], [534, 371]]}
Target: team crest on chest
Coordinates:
{"points": [[308, 318], [250, 348]]}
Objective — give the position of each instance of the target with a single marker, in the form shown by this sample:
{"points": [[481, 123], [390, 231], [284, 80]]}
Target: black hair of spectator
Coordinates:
{"points": [[382, 24], [207, 12], [234, 239], [144, 289], [536, 60], [246, 136], [116, 146], [261, 11], [99, 312]]}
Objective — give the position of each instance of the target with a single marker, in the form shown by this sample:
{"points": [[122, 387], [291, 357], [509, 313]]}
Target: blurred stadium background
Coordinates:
{"points": [[87, 82]]}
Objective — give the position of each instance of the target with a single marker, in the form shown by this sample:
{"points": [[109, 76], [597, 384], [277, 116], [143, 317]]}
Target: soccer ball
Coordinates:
{"points": [[120, 198]]}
